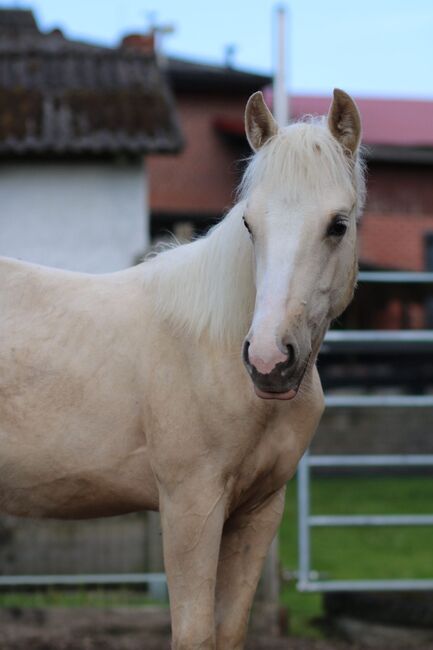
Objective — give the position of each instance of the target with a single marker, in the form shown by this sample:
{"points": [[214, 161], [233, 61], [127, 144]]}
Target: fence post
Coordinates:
{"points": [[155, 561], [266, 612]]}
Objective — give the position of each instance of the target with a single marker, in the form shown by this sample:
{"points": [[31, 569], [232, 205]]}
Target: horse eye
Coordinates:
{"points": [[337, 227], [246, 224]]}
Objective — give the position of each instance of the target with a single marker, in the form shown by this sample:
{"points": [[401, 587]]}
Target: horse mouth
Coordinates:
{"points": [[285, 393]]}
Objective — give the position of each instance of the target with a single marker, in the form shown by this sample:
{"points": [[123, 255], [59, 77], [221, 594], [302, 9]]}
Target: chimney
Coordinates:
{"points": [[144, 43]]}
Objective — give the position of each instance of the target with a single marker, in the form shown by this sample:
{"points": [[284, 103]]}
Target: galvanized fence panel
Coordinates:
{"points": [[124, 550], [307, 580], [364, 341]]}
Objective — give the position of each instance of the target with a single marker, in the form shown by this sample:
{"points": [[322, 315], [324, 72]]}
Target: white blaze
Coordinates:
{"points": [[275, 269]]}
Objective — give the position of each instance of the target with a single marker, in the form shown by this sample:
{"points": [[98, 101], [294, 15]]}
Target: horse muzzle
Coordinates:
{"points": [[280, 380]]}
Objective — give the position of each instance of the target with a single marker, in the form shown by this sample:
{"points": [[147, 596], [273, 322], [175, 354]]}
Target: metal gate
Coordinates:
{"points": [[306, 521], [307, 578]]}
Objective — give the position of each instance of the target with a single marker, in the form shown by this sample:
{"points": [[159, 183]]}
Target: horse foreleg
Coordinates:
{"points": [[192, 520], [244, 545]]}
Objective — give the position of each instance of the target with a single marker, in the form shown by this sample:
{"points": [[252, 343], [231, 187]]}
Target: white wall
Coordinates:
{"points": [[78, 216]]}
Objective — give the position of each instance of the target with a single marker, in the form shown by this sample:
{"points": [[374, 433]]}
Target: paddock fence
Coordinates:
{"points": [[113, 551], [401, 343]]}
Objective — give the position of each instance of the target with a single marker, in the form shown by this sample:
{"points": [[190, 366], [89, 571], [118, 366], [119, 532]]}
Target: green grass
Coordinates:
{"points": [[81, 597], [367, 553]]}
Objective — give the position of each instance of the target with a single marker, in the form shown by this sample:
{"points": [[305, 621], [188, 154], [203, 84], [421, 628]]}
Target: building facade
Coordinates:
{"points": [[190, 192], [77, 123]]}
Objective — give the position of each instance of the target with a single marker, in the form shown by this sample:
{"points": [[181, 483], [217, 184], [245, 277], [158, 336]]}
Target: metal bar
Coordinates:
{"points": [[91, 579], [388, 460], [374, 401], [377, 342], [370, 520], [379, 336], [395, 277], [303, 515], [366, 585]]}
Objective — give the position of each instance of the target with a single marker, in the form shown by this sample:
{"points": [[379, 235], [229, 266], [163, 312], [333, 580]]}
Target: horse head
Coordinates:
{"points": [[302, 193]]}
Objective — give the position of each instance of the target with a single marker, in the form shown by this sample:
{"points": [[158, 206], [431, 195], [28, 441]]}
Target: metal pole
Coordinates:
{"points": [[376, 401], [370, 520], [303, 519], [84, 579], [280, 102], [157, 590], [380, 337], [367, 585], [270, 583], [399, 277], [376, 460]]}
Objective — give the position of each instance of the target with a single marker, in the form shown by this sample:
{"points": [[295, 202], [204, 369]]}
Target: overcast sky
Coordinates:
{"points": [[370, 47]]}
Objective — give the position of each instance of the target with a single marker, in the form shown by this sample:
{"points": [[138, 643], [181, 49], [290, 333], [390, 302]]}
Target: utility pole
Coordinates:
{"points": [[280, 98], [269, 588]]}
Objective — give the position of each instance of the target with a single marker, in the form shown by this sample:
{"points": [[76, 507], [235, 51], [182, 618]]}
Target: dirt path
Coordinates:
{"points": [[118, 629], [142, 641]]}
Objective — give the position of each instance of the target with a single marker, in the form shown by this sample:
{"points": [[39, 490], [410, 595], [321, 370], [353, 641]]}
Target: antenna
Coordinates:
{"points": [[158, 30]]}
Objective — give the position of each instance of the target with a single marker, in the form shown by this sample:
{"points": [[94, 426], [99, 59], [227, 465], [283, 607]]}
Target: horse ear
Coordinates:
{"points": [[260, 125], [344, 121]]}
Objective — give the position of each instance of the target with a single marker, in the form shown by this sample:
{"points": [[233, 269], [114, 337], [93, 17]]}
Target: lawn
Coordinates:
{"points": [[395, 552], [77, 597]]}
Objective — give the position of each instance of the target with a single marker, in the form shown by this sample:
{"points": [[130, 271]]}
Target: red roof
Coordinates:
{"points": [[396, 122], [390, 122]]}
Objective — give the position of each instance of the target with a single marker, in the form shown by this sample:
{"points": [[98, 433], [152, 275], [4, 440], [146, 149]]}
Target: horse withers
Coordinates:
{"points": [[187, 384]]}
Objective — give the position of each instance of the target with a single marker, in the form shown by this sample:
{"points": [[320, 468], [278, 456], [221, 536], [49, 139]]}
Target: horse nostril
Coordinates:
{"points": [[291, 356], [245, 355]]}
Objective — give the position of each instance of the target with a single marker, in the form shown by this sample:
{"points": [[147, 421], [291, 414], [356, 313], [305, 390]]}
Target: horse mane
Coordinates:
{"points": [[207, 286]]}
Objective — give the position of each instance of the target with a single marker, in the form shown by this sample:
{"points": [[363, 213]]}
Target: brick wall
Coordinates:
{"points": [[400, 188], [203, 177], [398, 215], [394, 240]]}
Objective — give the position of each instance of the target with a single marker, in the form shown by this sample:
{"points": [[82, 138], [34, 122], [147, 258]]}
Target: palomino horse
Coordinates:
{"points": [[188, 384]]}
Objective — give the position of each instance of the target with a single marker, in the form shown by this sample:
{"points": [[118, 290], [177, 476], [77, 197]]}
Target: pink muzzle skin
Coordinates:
{"points": [[266, 367]]}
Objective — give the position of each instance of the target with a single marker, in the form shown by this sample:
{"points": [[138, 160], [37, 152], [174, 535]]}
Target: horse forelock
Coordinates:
{"points": [[303, 158]]}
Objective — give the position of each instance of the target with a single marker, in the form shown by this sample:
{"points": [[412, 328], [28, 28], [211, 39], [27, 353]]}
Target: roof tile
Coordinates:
{"points": [[64, 97]]}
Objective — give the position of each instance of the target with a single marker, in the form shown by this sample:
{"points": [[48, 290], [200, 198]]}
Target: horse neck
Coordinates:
{"points": [[207, 287]]}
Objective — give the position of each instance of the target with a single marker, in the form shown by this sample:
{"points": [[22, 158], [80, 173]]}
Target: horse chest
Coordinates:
{"points": [[265, 469]]}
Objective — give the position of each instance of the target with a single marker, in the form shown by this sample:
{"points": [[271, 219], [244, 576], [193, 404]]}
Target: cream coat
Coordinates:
{"points": [[126, 392]]}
